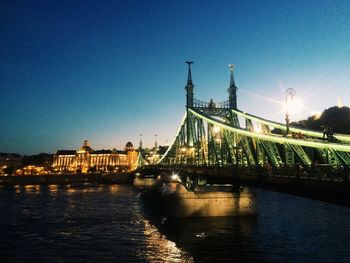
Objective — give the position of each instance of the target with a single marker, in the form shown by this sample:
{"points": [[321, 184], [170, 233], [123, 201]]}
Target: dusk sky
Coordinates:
{"points": [[107, 71]]}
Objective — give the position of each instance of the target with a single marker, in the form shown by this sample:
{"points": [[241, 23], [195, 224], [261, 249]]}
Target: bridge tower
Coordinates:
{"points": [[189, 104], [232, 90], [189, 87]]}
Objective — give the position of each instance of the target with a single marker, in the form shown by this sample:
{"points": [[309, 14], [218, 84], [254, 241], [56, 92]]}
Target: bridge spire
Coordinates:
{"points": [[232, 90], [155, 143], [140, 144], [189, 87]]}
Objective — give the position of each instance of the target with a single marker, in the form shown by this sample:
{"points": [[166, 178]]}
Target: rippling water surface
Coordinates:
{"points": [[108, 224]]}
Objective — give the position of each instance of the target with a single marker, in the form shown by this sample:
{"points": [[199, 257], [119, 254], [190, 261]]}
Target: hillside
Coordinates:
{"points": [[336, 118]]}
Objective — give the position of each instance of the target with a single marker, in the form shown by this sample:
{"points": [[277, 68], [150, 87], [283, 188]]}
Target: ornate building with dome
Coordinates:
{"points": [[87, 160]]}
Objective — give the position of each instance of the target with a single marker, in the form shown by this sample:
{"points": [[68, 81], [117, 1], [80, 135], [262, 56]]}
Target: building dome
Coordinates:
{"points": [[114, 151], [129, 147], [86, 147]]}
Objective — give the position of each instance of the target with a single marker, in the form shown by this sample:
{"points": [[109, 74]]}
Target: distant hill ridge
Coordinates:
{"points": [[336, 118]]}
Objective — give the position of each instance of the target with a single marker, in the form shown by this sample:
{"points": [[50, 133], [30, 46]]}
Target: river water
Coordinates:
{"points": [[107, 223]]}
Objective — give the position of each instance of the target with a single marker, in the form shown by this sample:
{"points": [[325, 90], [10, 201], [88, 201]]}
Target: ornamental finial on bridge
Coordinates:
{"points": [[232, 90], [189, 79], [189, 87], [232, 80], [231, 66]]}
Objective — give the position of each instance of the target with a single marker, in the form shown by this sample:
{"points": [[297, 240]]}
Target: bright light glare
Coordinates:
{"points": [[216, 129], [294, 106], [175, 177], [315, 114], [258, 128]]}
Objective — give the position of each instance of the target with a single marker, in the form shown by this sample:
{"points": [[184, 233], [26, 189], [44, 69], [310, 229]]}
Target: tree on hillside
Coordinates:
{"points": [[338, 119]]}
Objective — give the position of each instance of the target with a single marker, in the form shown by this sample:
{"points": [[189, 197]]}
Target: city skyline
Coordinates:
{"points": [[112, 70]]}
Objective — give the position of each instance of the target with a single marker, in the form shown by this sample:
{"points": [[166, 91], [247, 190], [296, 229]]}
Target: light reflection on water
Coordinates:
{"points": [[31, 188], [80, 223], [108, 224], [114, 188], [53, 189], [159, 248], [211, 239]]}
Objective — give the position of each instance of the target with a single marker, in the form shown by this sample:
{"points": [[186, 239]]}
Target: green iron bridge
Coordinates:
{"points": [[218, 142]]}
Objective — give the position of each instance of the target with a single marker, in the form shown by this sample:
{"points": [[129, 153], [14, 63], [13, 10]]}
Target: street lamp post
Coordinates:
{"points": [[290, 93], [183, 155], [216, 142]]}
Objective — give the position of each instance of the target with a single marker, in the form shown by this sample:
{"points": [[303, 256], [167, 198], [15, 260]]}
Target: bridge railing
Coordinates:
{"points": [[317, 172], [313, 172], [211, 104]]}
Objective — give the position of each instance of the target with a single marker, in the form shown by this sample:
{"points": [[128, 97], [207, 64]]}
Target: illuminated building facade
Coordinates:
{"points": [[87, 160], [9, 161]]}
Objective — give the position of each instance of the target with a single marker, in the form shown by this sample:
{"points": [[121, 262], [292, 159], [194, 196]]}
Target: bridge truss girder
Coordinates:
{"points": [[214, 137]]}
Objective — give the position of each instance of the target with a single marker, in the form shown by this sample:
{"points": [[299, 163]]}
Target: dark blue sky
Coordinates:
{"points": [[109, 70]]}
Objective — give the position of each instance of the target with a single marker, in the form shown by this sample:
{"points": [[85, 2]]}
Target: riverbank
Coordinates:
{"points": [[123, 178]]}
